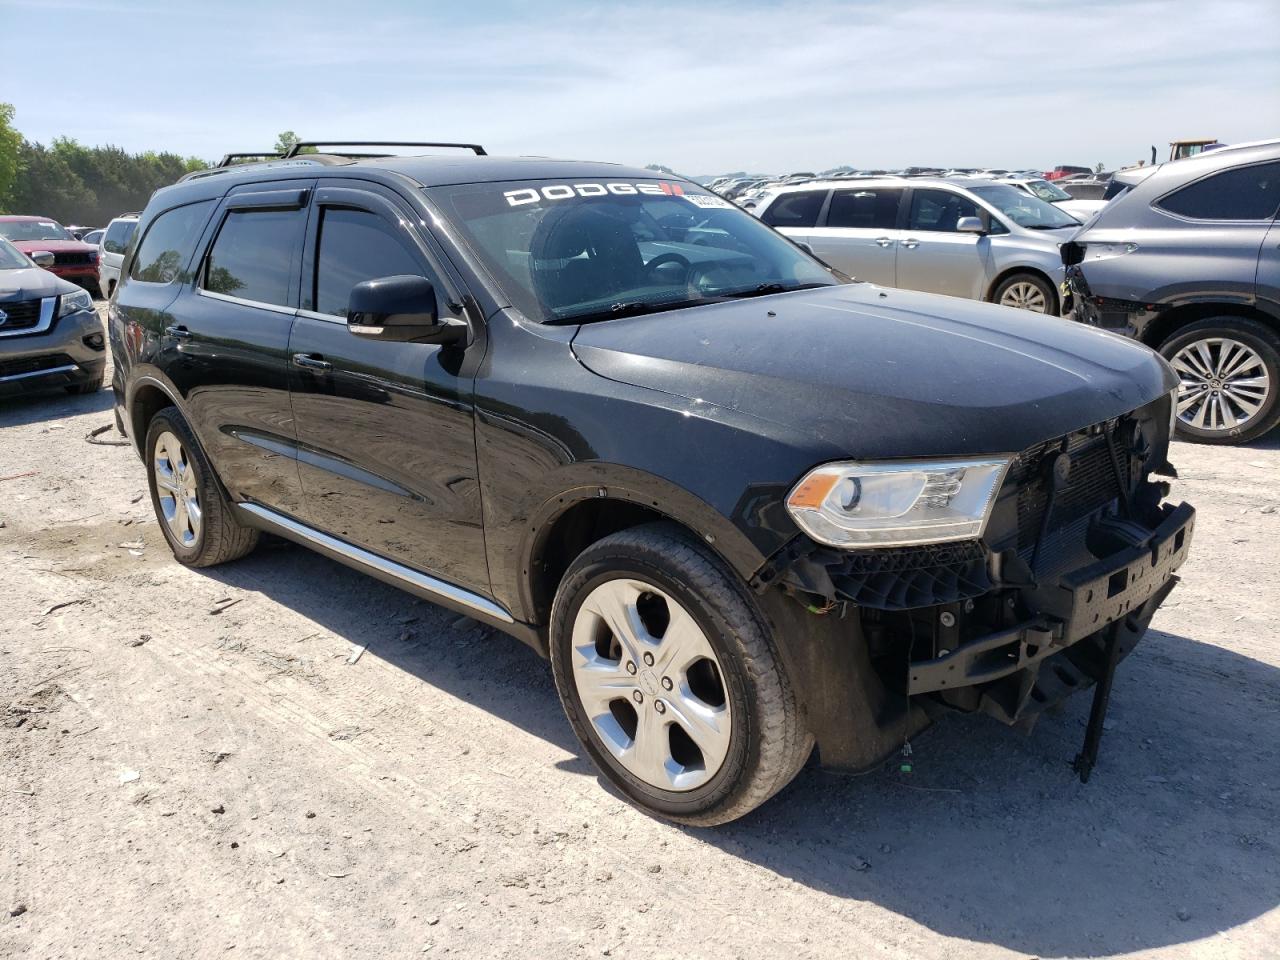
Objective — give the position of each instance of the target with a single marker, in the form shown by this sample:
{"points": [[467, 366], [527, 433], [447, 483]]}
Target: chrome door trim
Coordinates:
{"points": [[226, 297], [380, 564]]}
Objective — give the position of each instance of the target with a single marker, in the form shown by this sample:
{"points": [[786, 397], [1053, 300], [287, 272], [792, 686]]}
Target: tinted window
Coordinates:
{"points": [[168, 243], [21, 230], [356, 246], [870, 208], [118, 234], [1246, 193], [940, 210], [795, 209], [253, 256]]}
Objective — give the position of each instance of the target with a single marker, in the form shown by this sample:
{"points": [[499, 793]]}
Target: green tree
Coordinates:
{"points": [[10, 149], [286, 140]]}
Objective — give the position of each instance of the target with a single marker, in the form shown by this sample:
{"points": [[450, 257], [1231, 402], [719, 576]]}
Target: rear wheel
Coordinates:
{"points": [[194, 512], [671, 679], [1228, 379], [1026, 291]]}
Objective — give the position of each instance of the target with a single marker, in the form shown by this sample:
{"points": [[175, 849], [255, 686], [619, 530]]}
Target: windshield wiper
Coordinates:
{"points": [[765, 289], [627, 308]]}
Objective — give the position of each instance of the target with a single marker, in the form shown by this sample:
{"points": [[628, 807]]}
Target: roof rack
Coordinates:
{"points": [[294, 150], [230, 159]]}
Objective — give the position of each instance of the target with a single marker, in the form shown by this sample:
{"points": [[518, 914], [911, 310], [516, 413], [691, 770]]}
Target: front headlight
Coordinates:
{"points": [[896, 504], [71, 302]]}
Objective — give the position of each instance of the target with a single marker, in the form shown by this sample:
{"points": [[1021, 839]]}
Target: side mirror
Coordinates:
{"points": [[401, 309], [970, 225], [43, 258]]}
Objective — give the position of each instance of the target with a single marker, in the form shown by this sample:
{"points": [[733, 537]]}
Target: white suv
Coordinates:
{"points": [[114, 243]]}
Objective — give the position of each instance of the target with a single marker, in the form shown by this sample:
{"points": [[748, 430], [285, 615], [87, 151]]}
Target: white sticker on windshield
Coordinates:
{"points": [[707, 202]]}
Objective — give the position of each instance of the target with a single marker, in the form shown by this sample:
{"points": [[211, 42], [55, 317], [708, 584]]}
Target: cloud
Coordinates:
{"points": [[705, 87]]}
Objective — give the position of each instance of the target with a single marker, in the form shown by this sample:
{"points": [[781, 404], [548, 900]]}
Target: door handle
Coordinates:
{"points": [[312, 361], [178, 331], [884, 241], [911, 243]]}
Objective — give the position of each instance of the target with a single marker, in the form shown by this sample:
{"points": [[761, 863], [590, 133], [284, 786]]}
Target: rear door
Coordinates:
{"points": [[859, 233], [933, 255], [226, 341], [387, 444], [796, 213]]}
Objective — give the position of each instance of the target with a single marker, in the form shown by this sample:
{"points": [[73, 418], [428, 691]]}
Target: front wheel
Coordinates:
{"points": [[1228, 379], [1026, 291], [671, 678]]}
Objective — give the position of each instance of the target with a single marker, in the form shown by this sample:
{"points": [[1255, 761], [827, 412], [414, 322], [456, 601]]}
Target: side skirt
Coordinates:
{"points": [[388, 571]]}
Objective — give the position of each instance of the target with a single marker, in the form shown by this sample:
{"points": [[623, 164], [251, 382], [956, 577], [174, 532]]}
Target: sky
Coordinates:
{"points": [[703, 87]]}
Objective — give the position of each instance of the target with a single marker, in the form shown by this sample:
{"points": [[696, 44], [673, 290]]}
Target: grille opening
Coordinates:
{"points": [[1119, 580]]}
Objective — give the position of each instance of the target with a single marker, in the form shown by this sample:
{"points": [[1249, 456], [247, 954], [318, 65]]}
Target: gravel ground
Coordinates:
{"points": [[199, 762]]}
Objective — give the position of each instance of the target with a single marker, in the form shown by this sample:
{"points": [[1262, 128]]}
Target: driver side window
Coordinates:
{"points": [[356, 245], [939, 210]]}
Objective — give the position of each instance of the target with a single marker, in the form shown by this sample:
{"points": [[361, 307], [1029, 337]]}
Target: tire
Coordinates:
{"points": [[755, 743], [214, 535], [89, 386], [1229, 373], [1027, 291]]}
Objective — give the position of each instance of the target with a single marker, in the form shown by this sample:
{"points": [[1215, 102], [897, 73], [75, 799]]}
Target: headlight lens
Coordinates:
{"points": [[71, 302], [896, 504]]}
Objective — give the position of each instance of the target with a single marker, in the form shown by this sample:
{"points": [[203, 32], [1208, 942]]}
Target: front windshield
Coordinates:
{"points": [[33, 230], [11, 258], [1024, 209], [578, 251], [1047, 191]]}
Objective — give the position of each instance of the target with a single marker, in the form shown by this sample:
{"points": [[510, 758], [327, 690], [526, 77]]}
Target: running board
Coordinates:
{"points": [[397, 574]]}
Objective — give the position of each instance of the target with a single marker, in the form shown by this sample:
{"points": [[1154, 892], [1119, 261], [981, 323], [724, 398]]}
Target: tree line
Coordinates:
{"points": [[73, 183]]}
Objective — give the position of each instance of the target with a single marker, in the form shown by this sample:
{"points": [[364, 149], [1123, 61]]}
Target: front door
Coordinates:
{"points": [[933, 255], [860, 234], [226, 342], [386, 441]]}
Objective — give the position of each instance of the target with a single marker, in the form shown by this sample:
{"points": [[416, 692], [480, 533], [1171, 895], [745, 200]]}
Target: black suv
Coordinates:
{"points": [[744, 505]]}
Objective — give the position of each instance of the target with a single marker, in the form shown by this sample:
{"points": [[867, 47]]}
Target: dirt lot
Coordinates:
{"points": [[196, 764]]}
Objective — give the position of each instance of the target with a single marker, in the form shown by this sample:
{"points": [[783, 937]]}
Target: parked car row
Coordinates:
{"points": [[52, 246]]}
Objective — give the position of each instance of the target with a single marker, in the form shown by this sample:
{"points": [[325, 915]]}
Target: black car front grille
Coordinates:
{"points": [[1092, 482], [20, 315], [9, 368], [71, 259]]}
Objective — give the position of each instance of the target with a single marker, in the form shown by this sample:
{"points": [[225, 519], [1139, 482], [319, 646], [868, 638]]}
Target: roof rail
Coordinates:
{"points": [[294, 150], [229, 159]]}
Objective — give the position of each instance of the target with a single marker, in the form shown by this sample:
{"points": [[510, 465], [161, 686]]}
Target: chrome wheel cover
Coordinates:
{"points": [[1025, 296], [651, 685], [176, 489], [1222, 384]]}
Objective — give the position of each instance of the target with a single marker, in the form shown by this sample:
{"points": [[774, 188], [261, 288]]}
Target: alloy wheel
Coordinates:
{"points": [[177, 490], [651, 685], [1025, 296], [1222, 384]]}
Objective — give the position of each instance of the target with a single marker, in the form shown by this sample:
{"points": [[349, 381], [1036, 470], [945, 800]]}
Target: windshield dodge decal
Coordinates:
{"points": [[565, 191]]}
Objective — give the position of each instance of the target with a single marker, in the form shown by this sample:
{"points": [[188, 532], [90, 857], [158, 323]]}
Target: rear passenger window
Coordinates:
{"points": [[253, 255], [118, 234], [355, 246], [168, 243], [1245, 193], [870, 209], [939, 210], [795, 209]]}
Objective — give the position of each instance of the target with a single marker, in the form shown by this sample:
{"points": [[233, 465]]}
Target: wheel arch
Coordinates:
{"points": [[581, 515], [1032, 269], [1169, 321], [147, 397]]}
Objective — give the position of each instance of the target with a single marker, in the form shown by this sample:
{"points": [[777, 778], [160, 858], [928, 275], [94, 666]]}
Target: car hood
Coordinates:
{"points": [[882, 373], [54, 246], [31, 283]]}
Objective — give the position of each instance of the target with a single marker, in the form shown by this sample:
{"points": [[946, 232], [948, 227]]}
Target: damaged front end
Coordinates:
{"points": [[1078, 553]]}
